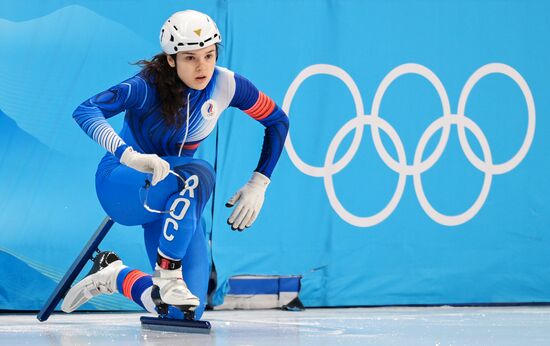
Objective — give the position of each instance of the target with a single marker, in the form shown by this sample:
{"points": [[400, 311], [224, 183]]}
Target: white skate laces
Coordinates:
{"points": [[171, 287], [101, 279]]}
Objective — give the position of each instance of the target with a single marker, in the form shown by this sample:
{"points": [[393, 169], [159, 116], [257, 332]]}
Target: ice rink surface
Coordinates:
{"points": [[528, 325]]}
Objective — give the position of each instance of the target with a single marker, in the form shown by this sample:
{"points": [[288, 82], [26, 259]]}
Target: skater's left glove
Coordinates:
{"points": [[249, 199]]}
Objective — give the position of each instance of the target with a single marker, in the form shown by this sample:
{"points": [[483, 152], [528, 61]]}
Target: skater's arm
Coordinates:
{"points": [[262, 108], [249, 199], [93, 113]]}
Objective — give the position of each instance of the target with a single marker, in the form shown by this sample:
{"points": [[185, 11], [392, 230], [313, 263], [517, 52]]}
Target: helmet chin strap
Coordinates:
{"points": [[186, 127]]}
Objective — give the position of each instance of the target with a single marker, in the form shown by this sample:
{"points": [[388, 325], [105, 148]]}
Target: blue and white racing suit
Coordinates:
{"points": [[179, 234]]}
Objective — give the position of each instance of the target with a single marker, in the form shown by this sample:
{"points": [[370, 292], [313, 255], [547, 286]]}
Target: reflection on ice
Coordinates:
{"points": [[354, 326]]}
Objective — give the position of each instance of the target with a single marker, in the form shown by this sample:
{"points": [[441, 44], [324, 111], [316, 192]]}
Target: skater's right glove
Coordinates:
{"points": [[146, 163]]}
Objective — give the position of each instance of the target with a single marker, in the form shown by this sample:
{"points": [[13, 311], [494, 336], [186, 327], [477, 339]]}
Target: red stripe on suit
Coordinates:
{"points": [[262, 108]]}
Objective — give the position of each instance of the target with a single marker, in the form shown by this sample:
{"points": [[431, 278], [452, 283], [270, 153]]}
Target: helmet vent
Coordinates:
{"points": [[188, 30]]}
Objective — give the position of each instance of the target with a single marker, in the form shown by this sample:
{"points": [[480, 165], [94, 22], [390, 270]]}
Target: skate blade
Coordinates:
{"points": [[173, 325]]}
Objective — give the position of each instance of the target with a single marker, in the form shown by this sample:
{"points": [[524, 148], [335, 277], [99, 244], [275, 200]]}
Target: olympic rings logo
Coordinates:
{"points": [[419, 166]]}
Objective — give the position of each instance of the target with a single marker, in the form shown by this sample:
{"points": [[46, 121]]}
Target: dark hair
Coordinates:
{"points": [[170, 88]]}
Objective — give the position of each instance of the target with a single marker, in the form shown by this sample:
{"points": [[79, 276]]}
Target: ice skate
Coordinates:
{"points": [[101, 279], [169, 287]]}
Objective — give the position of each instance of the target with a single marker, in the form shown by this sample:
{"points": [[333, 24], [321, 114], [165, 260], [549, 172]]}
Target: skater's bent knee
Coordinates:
{"points": [[204, 172]]}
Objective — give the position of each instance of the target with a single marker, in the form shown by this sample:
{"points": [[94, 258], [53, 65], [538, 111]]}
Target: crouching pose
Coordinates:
{"points": [[149, 177]]}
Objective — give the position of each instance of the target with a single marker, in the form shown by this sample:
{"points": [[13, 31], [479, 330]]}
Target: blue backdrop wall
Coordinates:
{"points": [[415, 171]]}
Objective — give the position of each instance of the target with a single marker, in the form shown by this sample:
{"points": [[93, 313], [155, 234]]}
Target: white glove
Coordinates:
{"points": [[251, 198], [146, 163]]}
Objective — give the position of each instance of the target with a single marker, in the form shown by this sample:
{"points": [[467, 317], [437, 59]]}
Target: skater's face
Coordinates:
{"points": [[195, 68]]}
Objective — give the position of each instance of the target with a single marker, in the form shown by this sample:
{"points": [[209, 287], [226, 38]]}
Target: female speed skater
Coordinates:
{"points": [[170, 107]]}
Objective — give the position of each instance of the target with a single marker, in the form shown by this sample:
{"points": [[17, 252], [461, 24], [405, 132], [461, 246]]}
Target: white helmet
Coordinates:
{"points": [[188, 30]]}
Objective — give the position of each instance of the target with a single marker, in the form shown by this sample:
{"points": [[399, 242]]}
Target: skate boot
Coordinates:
{"points": [[170, 289], [101, 279]]}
